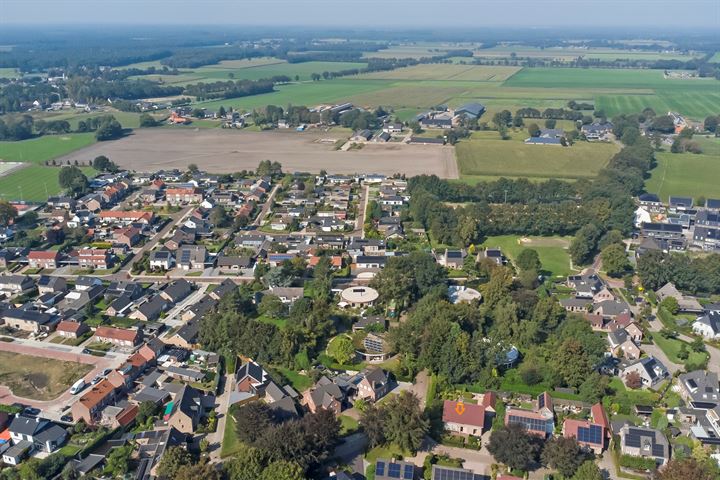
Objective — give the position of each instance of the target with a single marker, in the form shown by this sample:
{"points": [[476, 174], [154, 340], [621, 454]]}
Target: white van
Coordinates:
{"points": [[77, 386]]}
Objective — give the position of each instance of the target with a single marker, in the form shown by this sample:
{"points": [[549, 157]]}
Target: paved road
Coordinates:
{"points": [[266, 206], [360, 222], [55, 352]]}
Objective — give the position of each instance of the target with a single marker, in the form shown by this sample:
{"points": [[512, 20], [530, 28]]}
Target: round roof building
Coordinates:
{"points": [[359, 296]]}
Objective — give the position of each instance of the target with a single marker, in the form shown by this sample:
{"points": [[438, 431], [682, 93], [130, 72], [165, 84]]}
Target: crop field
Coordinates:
{"points": [[37, 378], [571, 53], [552, 251], [126, 119], [406, 51], [30, 183], [227, 151], [488, 155], [8, 73], [685, 174], [443, 71], [38, 150], [693, 104]]}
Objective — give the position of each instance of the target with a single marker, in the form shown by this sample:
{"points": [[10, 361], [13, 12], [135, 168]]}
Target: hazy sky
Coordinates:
{"points": [[680, 14]]}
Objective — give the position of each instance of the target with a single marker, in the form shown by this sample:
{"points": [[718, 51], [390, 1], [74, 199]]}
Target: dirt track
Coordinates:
{"points": [[226, 151]]}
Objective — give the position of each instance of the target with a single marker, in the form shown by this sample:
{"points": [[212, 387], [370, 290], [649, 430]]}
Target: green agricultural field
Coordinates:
{"points": [[33, 183], [472, 73], [715, 58], [267, 70], [8, 73], [487, 154], [685, 174], [695, 104], [552, 251], [39, 150], [126, 119], [597, 78]]}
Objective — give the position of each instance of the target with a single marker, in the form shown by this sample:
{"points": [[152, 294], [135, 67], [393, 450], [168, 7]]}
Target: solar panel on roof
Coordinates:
{"points": [[380, 468], [658, 451], [409, 472], [394, 470], [541, 401], [592, 434]]}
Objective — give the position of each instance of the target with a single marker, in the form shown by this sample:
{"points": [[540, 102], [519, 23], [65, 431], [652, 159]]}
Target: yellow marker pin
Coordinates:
{"points": [[460, 408]]}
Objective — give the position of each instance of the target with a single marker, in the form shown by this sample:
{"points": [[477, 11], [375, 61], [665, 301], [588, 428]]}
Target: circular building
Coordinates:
{"points": [[359, 297]]}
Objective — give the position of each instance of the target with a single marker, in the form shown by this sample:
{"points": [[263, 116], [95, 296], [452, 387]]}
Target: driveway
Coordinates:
{"points": [[215, 438]]}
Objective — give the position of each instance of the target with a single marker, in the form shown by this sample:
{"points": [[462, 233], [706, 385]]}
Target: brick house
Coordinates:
{"points": [[69, 329], [43, 259], [89, 406], [118, 336], [94, 258]]}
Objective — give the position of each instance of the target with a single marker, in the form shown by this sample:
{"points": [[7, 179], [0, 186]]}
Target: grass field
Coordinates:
{"points": [[30, 183], [36, 378], [685, 174], [230, 443], [552, 251], [38, 150], [8, 73], [473, 73], [671, 348], [487, 155]]}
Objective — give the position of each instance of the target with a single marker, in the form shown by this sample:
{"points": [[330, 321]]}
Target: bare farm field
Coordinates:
{"points": [[227, 151], [37, 378]]}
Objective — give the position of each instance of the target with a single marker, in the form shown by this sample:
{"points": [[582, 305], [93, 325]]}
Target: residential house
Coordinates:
{"points": [[151, 447], [187, 410], [363, 262], [69, 329], [287, 295], [118, 288], [176, 290], [161, 260], [593, 434], [191, 257], [126, 218], [151, 309], [48, 284], [90, 404], [392, 469], [187, 336], [597, 131], [43, 258], [679, 204], [644, 442], [29, 320], [686, 304], [662, 231], [45, 436], [611, 308], [361, 136], [708, 325], [183, 195], [230, 264], [129, 236], [374, 384], [200, 308], [225, 288], [585, 285], [469, 418], [118, 336], [183, 235], [539, 421], [494, 255], [325, 394], [650, 369], [16, 284], [94, 258], [700, 389]]}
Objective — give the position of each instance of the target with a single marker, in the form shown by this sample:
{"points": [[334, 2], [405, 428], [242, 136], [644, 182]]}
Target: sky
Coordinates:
{"points": [[679, 14]]}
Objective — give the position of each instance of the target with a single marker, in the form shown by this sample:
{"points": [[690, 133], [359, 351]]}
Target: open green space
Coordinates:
{"points": [[623, 400], [36, 377], [486, 154], [30, 183], [38, 150], [685, 174], [230, 443], [348, 425], [552, 251], [299, 382], [8, 73], [475, 73], [672, 346]]}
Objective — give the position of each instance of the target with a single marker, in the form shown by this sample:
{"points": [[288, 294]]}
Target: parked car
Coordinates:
{"points": [[66, 418], [31, 411]]}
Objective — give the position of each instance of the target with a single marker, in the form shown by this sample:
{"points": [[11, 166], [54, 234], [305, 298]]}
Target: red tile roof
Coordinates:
{"points": [[43, 255], [97, 394], [472, 415], [599, 416], [66, 326], [116, 333], [132, 215], [489, 399], [128, 415]]}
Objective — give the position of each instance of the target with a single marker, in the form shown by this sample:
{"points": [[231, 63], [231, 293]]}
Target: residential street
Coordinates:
{"points": [[215, 438], [266, 206]]}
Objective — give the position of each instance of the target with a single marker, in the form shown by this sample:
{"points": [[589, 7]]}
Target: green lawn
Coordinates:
{"points": [[348, 425], [552, 251], [386, 452], [30, 183], [625, 399], [299, 382], [38, 150], [487, 155], [671, 347], [230, 443], [686, 174], [278, 322]]}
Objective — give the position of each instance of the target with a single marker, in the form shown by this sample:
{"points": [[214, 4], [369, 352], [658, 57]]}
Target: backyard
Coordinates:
{"points": [[37, 378]]}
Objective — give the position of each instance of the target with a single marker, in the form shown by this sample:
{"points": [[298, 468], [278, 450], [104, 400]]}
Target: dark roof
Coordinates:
{"points": [[712, 203], [189, 331], [371, 259], [177, 290], [27, 425], [662, 227], [681, 201], [153, 308], [188, 401], [474, 109], [649, 197], [29, 315], [226, 287]]}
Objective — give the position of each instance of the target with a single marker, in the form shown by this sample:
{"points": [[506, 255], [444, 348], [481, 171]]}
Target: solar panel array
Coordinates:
{"points": [[592, 434], [444, 473], [534, 424], [403, 471], [379, 468]]}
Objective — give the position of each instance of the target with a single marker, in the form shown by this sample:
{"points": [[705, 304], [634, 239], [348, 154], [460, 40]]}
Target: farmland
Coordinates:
{"points": [[487, 155], [30, 183], [685, 174], [474, 73], [36, 378]]}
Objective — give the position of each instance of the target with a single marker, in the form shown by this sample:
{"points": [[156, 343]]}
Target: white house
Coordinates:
{"points": [[708, 325]]}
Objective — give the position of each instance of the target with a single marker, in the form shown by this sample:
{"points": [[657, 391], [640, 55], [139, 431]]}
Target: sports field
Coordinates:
{"points": [[551, 250], [486, 154], [685, 174], [37, 378], [34, 183], [38, 150]]}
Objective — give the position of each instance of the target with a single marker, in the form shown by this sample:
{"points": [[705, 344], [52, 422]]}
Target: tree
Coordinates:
{"points": [[572, 363], [697, 345], [670, 304], [251, 421], [588, 471], [72, 179], [594, 388], [247, 464], [172, 461], [711, 123], [109, 129], [405, 423], [633, 380], [550, 123], [283, 470], [219, 217], [583, 246], [685, 469], [272, 306], [118, 461], [193, 168], [146, 410], [8, 213], [614, 260], [372, 419], [103, 164], [534, 130], [498, 287], [528, 259], [342, 349], [514, 446], [563, 454], [147, 121]]}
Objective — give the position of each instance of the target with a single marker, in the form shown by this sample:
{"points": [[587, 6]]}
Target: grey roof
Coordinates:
{"points": [[29, 315], [712, 203], [702, 386], [543, 140], [87, 281], [189, 401], [274, 392], [189, 331], [185, 372], [284, 409], [325, 392], [152, 378], [656, 443], [376, 375], [649, 197], [712, 320], [204, 305], [252, 370], [151, 394], [152, 309], [27, 425], [227, 286], [474, 109], [177, 290], [51, 433], [680, 201]]}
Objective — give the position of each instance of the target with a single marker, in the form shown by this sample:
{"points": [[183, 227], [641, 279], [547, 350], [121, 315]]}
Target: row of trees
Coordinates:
{"points": [[22, 127]]}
